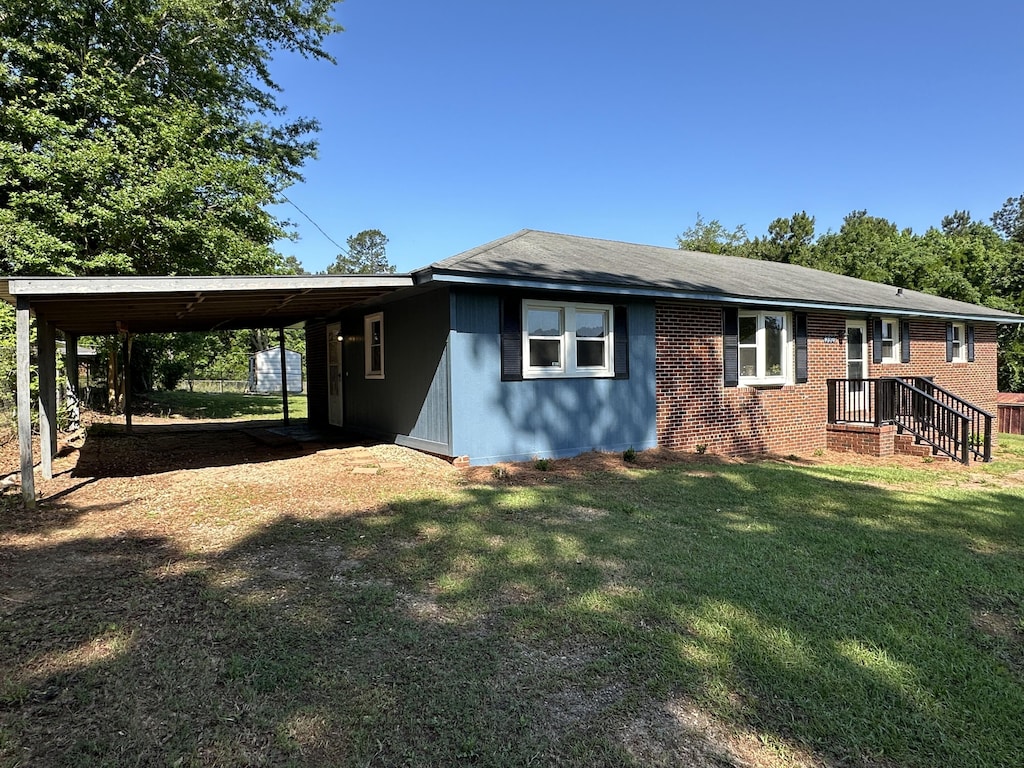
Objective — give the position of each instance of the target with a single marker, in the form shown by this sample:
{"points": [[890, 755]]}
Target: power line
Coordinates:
{"points": [[310, 219]]}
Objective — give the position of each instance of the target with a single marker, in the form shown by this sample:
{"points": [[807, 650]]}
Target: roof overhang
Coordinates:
{"points": [[968, 312], [107, 305]]}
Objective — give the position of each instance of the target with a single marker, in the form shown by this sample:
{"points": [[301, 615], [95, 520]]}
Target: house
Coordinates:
{"points": [[547, 345]]}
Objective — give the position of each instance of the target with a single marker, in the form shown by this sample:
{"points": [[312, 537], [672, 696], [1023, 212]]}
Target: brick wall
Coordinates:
{"points": [[695, 408]]}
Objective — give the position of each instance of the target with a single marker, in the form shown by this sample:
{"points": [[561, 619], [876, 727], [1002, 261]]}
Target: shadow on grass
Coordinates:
{"points": [[218, 405], [553, 624]]}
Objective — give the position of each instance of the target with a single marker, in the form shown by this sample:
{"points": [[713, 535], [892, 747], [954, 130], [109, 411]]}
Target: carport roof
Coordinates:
{"points": [[105, 305]]}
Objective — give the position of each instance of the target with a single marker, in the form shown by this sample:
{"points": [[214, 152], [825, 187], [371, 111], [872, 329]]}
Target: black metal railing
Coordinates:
{"points": [[918, 406]]}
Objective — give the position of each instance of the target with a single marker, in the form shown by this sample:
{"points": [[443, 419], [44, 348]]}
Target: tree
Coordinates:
{"points": [[1009, 220], [789, 240], [713, 237], [146, 137], [366, 255]]}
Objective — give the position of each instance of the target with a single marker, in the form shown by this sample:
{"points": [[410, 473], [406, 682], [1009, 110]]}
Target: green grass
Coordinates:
{"points": [[868, 616], [222, 405]]}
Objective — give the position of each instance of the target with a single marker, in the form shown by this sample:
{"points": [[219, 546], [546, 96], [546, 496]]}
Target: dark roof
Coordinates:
{"points": [[546, 260]]}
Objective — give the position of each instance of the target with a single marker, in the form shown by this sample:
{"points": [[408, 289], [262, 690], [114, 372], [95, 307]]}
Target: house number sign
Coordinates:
{"points": [[830, 339]]}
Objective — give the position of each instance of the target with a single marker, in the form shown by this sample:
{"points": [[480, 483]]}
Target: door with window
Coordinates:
{"points": [[858, 408], [334, 373]]}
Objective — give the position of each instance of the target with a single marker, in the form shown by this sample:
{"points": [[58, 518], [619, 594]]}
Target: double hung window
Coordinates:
{"points": [[373, 333], [958, 343]]}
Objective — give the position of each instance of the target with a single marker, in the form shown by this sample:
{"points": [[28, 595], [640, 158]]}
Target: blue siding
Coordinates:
{"points": [[411, 403], [495, 421]]}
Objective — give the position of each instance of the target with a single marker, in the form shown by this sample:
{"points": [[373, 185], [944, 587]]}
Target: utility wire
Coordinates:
{"points": [[310, 219]]}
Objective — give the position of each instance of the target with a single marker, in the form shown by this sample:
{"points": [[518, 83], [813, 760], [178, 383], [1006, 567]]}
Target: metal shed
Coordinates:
{"points": [[265, 371]]}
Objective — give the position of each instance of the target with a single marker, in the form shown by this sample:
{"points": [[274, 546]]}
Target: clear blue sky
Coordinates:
{"points": [[448, 124]]}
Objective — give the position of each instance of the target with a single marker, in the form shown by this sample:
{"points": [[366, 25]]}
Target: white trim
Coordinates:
{"points": [[959, 344], [761, 375], [567, 340], [368, 345], [894, 355]]}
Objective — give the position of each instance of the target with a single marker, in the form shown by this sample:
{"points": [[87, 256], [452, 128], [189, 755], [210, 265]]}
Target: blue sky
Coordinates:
{"points": [[448, 124]]}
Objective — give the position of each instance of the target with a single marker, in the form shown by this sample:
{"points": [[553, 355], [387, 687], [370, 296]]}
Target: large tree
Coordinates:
{"points": [[366, 255], [145, 137]]}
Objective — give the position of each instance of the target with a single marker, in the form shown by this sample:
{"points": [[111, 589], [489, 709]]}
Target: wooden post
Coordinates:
{"points": [[24, 361], [284, 375], [126, 380], [47, 370], [71, 355], [73, 397]]}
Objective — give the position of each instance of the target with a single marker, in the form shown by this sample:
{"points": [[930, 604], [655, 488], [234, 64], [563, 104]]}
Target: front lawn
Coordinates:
{"points": [[698, 613]]}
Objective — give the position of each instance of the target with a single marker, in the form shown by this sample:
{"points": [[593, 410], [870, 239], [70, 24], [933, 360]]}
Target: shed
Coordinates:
{"points": [[1011, 412], [265, 371]]}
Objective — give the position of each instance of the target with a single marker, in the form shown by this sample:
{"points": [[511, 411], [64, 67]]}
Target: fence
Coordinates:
{"points": [[214, 385]]}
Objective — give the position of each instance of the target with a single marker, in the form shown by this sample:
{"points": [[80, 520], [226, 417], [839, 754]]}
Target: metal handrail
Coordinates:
{"points": [[958, 432]]}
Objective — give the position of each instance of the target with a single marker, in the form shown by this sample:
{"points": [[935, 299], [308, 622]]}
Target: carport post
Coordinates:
{"points": [[284, 376], [71, 362], [47, 367], [28, 481], [126, 379]]}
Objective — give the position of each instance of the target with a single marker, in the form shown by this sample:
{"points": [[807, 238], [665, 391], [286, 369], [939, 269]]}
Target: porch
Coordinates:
{"points": [[909, 415]]}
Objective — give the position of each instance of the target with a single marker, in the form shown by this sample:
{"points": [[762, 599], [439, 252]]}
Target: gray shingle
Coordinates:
{"points": [[532, 257]]}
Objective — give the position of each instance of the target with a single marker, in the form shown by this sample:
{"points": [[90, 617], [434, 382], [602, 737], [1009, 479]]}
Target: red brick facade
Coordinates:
{"points": [[696, 409]]}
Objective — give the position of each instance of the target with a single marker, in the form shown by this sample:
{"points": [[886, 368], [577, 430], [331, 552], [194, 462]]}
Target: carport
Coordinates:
{"points": [[102, 306]]}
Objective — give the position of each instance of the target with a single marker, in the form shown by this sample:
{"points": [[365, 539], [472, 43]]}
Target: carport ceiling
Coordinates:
{"points": [[105, 305]]}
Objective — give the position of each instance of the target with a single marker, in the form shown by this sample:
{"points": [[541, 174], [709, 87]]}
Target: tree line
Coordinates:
{"points": [[963, 258]]}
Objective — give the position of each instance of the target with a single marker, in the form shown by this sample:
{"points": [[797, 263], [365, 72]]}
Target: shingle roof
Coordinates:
{"points": [[548, 260]]}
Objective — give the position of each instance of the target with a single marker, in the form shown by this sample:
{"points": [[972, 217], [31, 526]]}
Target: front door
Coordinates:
{"points": [[335, 412], [857, 406]]}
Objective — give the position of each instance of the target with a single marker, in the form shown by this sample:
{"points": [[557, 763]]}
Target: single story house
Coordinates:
{"points": [[547, 345]]}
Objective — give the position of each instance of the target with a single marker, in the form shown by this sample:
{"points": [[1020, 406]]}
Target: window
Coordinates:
{"points": [[763, 346], [567, 339], [890, 341], [957, 338], [373, 333]]}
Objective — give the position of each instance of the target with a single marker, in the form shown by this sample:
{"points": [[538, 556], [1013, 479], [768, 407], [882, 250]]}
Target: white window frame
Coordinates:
{"points": [[895, 339], [959, 342], [567, 341], [761, 377], [368, 321]]}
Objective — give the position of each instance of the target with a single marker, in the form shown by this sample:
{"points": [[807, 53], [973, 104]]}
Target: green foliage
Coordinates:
{"points": [[367, 255], [133, 137], [629, 455], [713, 237]]}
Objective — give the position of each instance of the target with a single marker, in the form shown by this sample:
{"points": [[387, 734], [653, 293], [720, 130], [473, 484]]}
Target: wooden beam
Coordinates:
{"points": [[126, 379], [24, 362], [284, 375], [47, 367], [71, 363]]}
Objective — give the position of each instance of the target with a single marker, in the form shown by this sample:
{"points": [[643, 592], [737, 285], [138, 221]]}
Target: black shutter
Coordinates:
{"points": [[620, 329], [970, 343], [511, 340], [905, 341], [731, 346], [800, 337], [876, 339], [949, 342]]}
